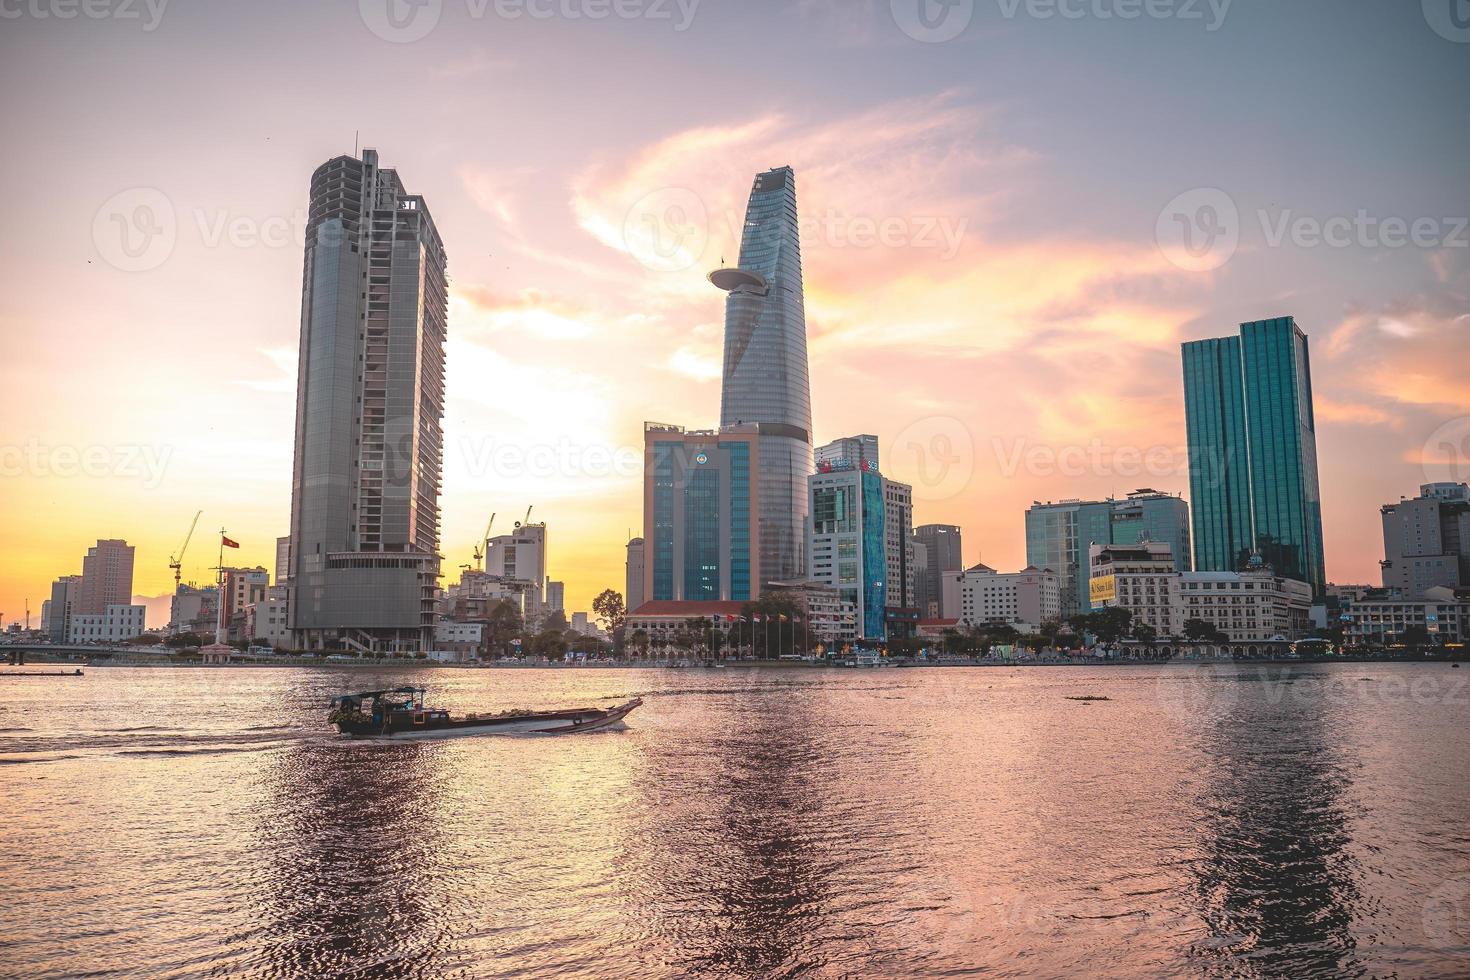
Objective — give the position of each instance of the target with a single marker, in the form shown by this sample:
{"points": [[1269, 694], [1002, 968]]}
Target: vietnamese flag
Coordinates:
{"points": [[227, 543]]}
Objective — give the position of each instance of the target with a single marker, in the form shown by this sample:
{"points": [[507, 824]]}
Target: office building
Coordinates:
{"points": [[765, 381], [1058, 535], [363, 556], [1380, 619], [266, 619], [243, 588], [823, 611], [898, 530], [848, 546], [701, 495], [556, 597], [1426, 540], [66, 594], [1023, 600], [283, 560], [1251, 606], [854, 449], [193, 609], [1253, 451], [943, 552], [633, 594], [118, 623], [1141, 578], [107, 578]]}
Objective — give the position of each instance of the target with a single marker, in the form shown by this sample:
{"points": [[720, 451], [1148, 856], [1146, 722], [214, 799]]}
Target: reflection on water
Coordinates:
{"points": [[747, 824], [1278, 884], [349, 842]]}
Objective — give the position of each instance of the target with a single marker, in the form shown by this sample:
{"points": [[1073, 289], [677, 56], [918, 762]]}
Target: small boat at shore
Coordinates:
{"points": [[400, 713]]}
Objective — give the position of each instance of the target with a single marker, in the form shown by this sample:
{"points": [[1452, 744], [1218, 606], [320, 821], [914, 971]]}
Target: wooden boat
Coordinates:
{"points": [[400, 713]]}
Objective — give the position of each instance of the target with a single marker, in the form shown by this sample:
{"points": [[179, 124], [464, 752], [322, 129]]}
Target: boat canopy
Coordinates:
{"points": [[374, 695]]}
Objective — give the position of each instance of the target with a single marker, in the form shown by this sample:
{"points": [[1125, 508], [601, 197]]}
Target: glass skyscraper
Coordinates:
{"points": [[369, 414], [765, 379], [699, 497], [849, 524], [1253, 451]]}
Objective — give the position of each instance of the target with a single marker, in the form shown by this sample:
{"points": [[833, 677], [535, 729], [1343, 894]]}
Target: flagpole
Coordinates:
{"points": [[219, 593]]}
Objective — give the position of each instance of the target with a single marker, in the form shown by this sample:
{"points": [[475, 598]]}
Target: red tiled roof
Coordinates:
{"points": [[687, 607]]}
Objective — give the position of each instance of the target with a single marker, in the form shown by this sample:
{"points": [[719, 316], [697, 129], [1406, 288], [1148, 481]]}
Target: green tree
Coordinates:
{"points": [[502, 625], [639, 642], [1416, 637], [609, 609]]}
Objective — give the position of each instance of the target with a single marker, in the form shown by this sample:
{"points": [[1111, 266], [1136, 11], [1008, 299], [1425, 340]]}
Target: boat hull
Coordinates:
{"points": [[436, 725]]}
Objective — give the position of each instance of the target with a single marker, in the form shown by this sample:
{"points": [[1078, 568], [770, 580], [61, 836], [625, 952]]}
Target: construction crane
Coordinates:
{"points": [[176, 562], [482, 548], [528, 517]]}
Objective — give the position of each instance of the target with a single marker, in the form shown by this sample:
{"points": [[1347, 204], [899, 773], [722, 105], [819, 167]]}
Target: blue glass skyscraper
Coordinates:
{"points": [[765, 370], [1253, 451]]}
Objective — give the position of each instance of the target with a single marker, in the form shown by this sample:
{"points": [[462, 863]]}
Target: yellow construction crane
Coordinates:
{"points": [[483, 547], [176, 562]]}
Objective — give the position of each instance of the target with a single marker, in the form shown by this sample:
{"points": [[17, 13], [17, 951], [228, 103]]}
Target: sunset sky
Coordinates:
{"points": [[994, 278]]}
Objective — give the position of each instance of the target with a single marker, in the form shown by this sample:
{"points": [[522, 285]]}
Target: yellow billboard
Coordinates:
{"points": [[1103, 588]]}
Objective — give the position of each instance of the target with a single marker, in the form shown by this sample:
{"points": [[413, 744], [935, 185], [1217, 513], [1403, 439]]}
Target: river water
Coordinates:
{"points": [[1202, 822]]}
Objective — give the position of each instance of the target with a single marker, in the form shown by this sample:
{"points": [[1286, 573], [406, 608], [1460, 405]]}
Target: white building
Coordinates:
{"points": [[463, 640], [1024, 599], [194, 609], [1140, 578], [830, 617], [1377, 620], [266, 619], [519, 558], [1251, 607], [117, 625]]}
